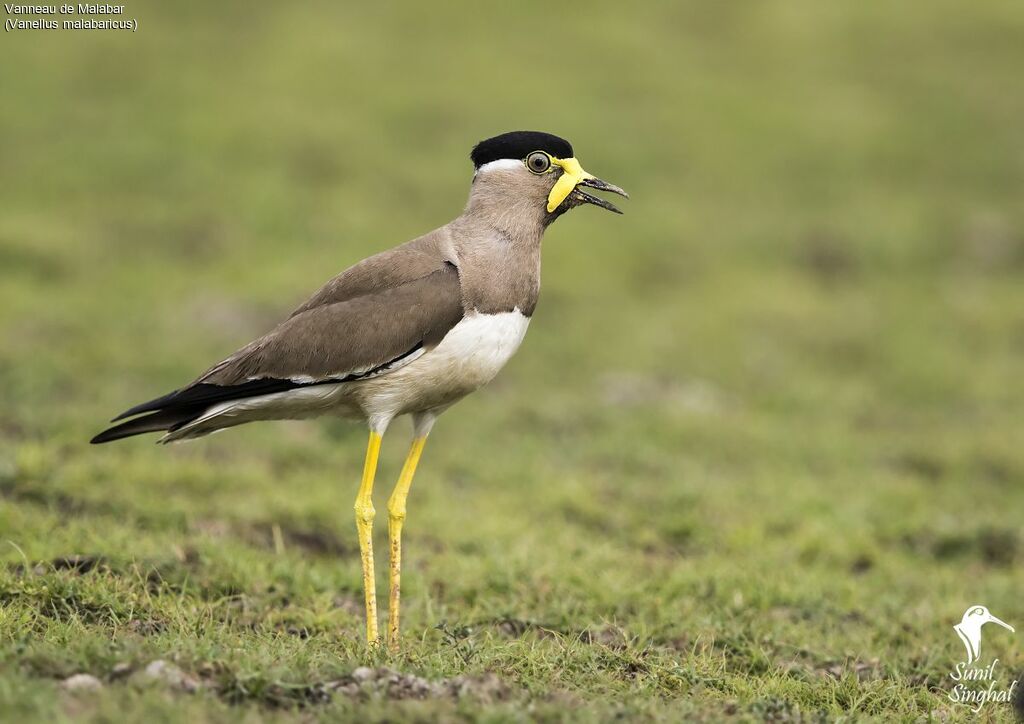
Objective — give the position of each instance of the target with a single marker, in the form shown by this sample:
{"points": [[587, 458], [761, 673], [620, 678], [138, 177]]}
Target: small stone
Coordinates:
{"points": [[364, 673], [120, 670], [487, 688], [171, 675], [81, 682]]}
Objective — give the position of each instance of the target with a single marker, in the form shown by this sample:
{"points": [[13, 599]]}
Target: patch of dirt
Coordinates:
{"points": [[362, 684], [365, 682], [316, 540]]}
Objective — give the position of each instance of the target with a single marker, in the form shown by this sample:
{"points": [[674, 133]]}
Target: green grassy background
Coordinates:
{"points": [[760, 450]]}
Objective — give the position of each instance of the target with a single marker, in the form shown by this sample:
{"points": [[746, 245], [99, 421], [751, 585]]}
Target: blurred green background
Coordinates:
{"points": [[760, 450]]}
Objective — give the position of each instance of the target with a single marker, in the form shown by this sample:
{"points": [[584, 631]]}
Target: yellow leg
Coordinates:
{"points": [[396, 516], [364, 524]]}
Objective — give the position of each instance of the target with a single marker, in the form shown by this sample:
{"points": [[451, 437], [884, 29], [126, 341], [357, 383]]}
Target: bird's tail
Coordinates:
{"points": [[153, 422], [175, 410]]}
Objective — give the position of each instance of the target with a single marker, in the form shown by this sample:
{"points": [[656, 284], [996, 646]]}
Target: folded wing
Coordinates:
{"points": [[329, 343]]}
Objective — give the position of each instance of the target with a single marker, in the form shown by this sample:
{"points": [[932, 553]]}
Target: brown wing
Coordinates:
{"points": [[351, 338], [410, 261], [332, 342]]}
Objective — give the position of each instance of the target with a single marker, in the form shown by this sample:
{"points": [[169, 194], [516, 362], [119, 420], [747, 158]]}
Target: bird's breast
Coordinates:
{"points": [[468, 357], [479, 346], [472, 352]]}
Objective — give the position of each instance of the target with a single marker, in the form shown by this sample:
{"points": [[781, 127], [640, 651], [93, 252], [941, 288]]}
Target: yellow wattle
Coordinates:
{"points": [[572, 174]]}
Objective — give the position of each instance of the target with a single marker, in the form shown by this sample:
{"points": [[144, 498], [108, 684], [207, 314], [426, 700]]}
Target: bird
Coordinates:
{"points": [[969, 629], [407, 331]]}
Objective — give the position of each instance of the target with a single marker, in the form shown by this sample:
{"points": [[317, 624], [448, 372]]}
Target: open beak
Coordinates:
{"points": [[596, 183], [993, 619], [568, 187]]}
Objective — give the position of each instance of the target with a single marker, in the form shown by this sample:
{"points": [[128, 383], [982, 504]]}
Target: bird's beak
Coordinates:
{"points": [[569, 183], [993, 619]]}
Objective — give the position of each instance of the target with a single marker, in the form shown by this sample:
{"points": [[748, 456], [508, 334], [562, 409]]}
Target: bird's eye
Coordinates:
{"points": [[538, 162]]}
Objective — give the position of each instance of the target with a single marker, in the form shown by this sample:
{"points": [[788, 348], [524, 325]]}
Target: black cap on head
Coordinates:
{"points": [[518, 145]]}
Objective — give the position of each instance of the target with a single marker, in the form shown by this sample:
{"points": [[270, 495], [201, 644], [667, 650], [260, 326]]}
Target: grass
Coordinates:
{"points": [[760, 449]]}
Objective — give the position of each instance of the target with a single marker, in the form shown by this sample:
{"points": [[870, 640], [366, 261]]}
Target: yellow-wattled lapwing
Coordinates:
{"points": [[407, 331]]}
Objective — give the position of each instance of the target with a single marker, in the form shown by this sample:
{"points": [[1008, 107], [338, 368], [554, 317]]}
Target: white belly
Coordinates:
{"points": [[469, 356]]}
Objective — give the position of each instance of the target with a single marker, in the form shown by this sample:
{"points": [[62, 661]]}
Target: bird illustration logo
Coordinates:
{"points": [[969, 629]]}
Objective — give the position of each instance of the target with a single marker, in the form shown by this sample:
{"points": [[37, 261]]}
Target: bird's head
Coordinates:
{"points": [[976, 616], [536, 172]]}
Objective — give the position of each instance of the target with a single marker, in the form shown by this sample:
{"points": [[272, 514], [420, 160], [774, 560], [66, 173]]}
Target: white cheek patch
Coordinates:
{"points": [[505, 164]]}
